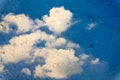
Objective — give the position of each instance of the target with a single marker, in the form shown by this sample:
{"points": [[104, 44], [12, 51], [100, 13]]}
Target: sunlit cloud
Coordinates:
{"points": [[95, 61], [61, 63], [21, 23], [58, 53], [19, 47], [58, 19]]}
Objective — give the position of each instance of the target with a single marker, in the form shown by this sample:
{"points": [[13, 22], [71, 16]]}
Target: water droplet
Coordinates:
{"points": [[91, 18], [91, 46]]}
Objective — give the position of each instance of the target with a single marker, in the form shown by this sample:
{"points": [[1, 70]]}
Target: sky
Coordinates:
{"points": [[59, 40]]}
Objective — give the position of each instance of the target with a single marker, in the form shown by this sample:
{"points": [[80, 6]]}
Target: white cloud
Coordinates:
{"points": [[95, 61], [58, 19], [60, 64], [19, 47], [26, 71], [54, 21], [60, 42], [91, 26], [23, 23], [83, 56], [72, 45], [56, 42], [58, 52]]}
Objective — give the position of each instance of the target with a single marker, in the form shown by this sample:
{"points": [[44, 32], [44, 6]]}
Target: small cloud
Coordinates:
{"points": [[72, 45], [26, 71], [59, 43], [22, 22], [91, 26], [56, 42], [83, 56], [58, 19], [95, 61]]}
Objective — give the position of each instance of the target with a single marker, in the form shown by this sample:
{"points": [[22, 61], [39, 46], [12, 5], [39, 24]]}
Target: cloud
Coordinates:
{"points": [[58, 53], [54, 21], [60, 64], [83, 56], [22, 23], [60, 42], [26, 71], [91, 26], [95, 61], [19, 47], [58, 19], [39, 72]]}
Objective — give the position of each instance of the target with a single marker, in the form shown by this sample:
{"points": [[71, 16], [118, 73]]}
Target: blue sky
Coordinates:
{"points": [[33, 32]]}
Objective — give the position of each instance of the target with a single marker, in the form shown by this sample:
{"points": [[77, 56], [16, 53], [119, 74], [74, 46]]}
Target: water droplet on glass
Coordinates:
{"points": [[91, 18], [91, 46]]}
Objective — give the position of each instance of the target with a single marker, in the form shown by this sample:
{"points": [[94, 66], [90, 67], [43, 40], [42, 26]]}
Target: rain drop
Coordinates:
{"points": [[91, 18], [91, 46]]}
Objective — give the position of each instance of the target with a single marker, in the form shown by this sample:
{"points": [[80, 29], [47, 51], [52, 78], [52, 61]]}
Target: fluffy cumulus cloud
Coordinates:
{"points": [[58, 53], [21, 23], [59, 64], [19, 47], [58, 20]]}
